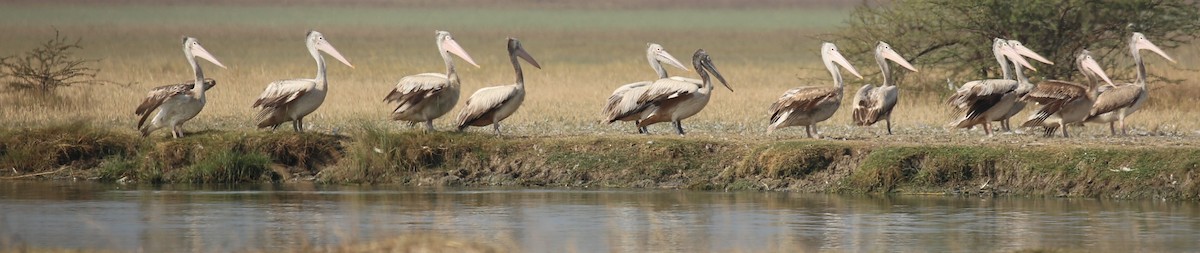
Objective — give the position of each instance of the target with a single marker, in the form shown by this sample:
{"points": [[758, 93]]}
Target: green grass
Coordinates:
{"points": [[371, 155]]}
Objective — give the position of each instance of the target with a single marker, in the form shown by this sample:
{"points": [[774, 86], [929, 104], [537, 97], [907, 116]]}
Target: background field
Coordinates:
{"points": [[762, 47]]}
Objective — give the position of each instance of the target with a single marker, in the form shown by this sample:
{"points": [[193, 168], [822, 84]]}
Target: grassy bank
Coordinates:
{"points": [[373, 156]]}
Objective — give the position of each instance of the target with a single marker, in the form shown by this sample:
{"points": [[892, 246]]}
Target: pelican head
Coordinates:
{"points": [[191, 47], [655, 52], [1139, 42], [885, 51], [318, 42], [1089, 65], [700, 59], [830, 54], [515, 48], [447, 43], [1024, 51], [1011, 53]]}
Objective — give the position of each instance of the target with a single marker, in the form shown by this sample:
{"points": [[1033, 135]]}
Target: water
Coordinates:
{"points": [[273, 217]]}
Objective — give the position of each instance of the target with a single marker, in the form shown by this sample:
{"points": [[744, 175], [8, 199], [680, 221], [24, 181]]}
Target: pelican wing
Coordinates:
{"points": [[484, 103], [279, 93], [805, 98], [160, 94], [666, 90], [871, 103], [414, 89], [686, 79], [973, 91], [623, 101], [1115, 98], [1052, 95]]}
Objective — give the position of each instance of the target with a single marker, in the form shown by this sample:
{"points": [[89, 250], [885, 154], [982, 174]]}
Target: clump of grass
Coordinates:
{"points": [[72, 144], [228, 166]]}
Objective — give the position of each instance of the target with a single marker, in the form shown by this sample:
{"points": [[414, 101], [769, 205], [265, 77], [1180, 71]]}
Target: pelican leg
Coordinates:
{"points": [[176, 133], [889, 125], [1122, 122], [816, 134], [1004, 124], [1112, 128], [808, 131], [1064, 129], [298, 124], [987, 129], [678, 127], [496, 127], [429, 126]]}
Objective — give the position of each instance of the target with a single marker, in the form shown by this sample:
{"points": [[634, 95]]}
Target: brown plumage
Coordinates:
{"points": [[1053, 95]]}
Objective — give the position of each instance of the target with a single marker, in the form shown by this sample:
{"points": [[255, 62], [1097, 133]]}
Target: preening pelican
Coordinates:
{"points": [[427, 96], [291, 100], [1023, 84], [807, 105], [492, 104], [623, 103], [984, 101], [178, 103], [1065, 102], [872, 104], [674, 100], [1119, 101]]}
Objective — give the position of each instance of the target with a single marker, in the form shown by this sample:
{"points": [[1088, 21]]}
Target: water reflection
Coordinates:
{"points": [[224, 218]]}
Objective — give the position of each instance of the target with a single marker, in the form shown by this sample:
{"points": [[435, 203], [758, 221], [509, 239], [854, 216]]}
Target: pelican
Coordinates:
{"points": [[492, 104], [676, 99], [872, 104], [427, 96], [1023, 84], [622, 104], [1117, 102], [291, 100], [1065, 102], [988, 100], [178, 103], [807, 105]]}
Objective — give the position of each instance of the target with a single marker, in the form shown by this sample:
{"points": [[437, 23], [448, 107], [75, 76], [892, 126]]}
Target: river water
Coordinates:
{"points": [[269, 217]]}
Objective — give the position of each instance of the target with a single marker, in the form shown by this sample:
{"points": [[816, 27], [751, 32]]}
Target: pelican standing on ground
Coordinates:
{"points": [[872, 104], [177, 103], [622, 104], [1065, 102], [428, 96], [984, 101], [492, 104], [807, 105], [1119, 101], [1023, 83], [291, 100], [674, 100]]}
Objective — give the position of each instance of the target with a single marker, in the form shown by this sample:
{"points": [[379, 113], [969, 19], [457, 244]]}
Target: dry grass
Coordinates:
{"points": [[761, 52]]}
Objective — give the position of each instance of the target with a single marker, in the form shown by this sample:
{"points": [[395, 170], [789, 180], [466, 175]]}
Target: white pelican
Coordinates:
{"points": [[622, 104], [1117, 102], [676, 99], [872, 104], [984, 101], [1065, 102], [291, 100], [492, 104], [178, 103], [807, 105], [427, 96], [1023, 83]]}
